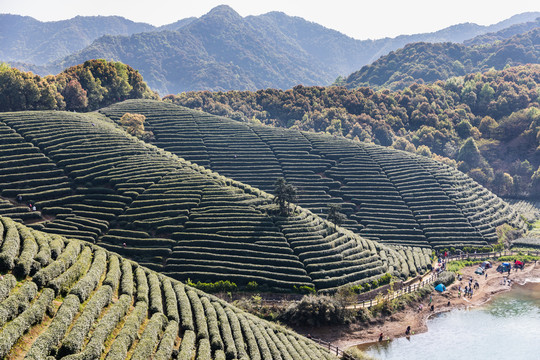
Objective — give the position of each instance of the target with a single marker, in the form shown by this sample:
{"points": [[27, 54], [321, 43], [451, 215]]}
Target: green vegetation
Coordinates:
{"points": [[315, 310], [456, 266], [387, 195], [107, 325], [90, 180], [423, 62], [85, 87], [486, 124]]}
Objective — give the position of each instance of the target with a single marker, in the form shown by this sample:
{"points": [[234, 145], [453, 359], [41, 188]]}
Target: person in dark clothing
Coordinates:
{"points": [[408, 331], [380, 337]]}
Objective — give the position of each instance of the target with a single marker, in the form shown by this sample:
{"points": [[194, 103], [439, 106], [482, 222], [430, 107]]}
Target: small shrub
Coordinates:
{"points": [[315, 310], [446, 278]]}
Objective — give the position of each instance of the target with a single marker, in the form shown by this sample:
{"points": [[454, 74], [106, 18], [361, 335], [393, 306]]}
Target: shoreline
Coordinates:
{"points": [[394, 326]]}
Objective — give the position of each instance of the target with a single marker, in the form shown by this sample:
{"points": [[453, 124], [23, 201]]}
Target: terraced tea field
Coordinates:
{"points": [[89, 180], [387, 195], [68, 299]]}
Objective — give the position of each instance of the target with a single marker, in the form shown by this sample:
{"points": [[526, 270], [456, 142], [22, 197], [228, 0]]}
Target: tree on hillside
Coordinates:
{"points": [[134, 125], [284, 194], [334, 214], [75, 96]]}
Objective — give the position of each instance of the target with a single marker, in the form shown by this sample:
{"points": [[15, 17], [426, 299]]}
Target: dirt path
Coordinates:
{"points": [[395, 325]]}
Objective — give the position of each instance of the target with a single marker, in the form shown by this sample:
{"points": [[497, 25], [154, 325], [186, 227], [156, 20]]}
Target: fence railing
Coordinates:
{"points": [[334, 350]]}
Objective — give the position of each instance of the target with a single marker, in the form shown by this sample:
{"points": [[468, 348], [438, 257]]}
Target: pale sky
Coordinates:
{"points": [[360, 19]]}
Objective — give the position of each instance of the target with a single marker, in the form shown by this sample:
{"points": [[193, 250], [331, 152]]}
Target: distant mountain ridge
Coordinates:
{"points": [[223, 50], [425, 62], [26, 39]]}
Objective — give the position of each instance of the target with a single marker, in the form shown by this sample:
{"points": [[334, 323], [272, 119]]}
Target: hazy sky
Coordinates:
{"points": [[360, 19]]}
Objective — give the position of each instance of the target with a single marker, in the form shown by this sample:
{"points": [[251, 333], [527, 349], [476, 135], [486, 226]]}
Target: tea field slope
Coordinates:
{"points": [[67, 299], [388, 195], [90, 180]]}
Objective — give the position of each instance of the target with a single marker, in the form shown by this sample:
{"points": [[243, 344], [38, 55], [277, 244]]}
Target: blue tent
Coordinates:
{"points": [[440, 288]]}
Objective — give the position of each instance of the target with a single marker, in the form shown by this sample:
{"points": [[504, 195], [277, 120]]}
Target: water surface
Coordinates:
{"points": [[508, 327]]}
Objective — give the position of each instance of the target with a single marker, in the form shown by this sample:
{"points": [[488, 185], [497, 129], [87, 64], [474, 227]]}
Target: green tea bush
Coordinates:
{"points": [[184, 304], [171, 302], [226, 332], [236, 329], [126, 282], [49, 339], [166, 345], [16, 328], [113, 274], [213, 324], [17, 302], [74, 340], [44, 276], [156, 303], [7, 283], [187, 345], [62, 283], [142, 284], [201, 326], [149, 338], [104, 328], [10, 245], [128, 333]]}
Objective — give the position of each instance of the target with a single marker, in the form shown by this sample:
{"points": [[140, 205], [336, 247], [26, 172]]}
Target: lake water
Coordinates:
{"points": [[508, 327]]}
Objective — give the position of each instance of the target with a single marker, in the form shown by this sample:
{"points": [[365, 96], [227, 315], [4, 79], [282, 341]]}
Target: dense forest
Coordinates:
{"points": [[486, 124], [425, 62], [85, 87]]}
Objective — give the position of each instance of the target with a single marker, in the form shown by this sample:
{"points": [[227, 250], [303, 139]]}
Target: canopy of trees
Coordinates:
{"points": [[425, 62], [496, 110], [84, 87]]}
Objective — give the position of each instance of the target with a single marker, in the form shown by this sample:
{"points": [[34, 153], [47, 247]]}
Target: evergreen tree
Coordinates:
{"points": [[284, 194], [334, 214]]}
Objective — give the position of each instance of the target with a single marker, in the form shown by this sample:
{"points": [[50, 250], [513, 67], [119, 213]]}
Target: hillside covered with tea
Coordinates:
{"points": [[88, 179], [387, 195], [485, 124], [67, 299]]}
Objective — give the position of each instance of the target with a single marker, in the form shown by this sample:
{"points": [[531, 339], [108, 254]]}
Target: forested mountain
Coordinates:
{"points": [[223, 51], [504, 33], [486, 124], [425, 62], [25, 39]]}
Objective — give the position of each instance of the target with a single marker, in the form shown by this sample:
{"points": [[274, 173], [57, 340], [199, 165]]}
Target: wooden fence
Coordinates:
{"points": [[334, 350]]}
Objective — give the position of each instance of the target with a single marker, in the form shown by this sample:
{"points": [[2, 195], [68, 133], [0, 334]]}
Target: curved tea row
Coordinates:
{"points": [[173, 216], [388, 195], [67, 299]]}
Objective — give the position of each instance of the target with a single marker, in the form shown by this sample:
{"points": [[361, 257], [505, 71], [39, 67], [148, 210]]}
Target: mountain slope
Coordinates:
{"points": [[90, 180], [423, 62], [504, 34], [498, 109], [388, 195], [25, 39], [80, 301], [222, 51]]}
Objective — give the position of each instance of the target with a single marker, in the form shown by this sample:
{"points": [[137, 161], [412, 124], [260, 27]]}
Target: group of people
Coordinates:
{"points": [[468, 291], [30, 204]]}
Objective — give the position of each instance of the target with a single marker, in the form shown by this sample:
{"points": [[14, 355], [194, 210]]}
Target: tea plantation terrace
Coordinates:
{"points": [[67, 299], [388, 195], [90, 180]]}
